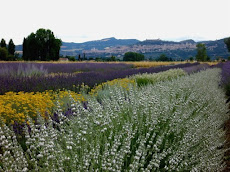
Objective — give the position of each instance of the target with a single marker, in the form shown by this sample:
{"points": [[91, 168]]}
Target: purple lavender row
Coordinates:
{"points": [[66, 67], [225, 77], [41, 83], [196, 68]]}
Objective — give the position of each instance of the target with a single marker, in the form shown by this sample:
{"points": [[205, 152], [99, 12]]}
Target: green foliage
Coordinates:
{"points": [[3, 53], [11, 47], [191, 58], [132, 56], [11, 57], [3, 43], [113, 58], [163, 57], [98, 59], [71, 58], [227, 42], [79, 57], [144, 79], [41, 45], [201, 52]]}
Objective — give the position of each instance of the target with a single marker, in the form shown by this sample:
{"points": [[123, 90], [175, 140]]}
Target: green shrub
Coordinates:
{"points": [[144, 79], [3, 53]]}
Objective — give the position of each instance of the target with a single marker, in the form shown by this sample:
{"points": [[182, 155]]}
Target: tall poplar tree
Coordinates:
{"points": [[11, 47], [3, 43]]}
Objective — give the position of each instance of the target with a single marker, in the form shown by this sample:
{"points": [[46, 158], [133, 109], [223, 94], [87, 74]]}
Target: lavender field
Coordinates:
{"points": [[166, 118], [33, 77]]}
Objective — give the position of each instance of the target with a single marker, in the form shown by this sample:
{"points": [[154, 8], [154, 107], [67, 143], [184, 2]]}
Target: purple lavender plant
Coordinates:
{"points": [[196, 68], [225, 77]]}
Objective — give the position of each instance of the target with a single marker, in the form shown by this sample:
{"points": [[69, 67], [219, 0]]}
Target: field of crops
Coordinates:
{"points": [[113, 117]]}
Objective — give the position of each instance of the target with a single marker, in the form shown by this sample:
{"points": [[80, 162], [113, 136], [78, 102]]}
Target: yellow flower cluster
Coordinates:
{"points": [[210, 63], [124, 83], [152, 64], [17, 106]]}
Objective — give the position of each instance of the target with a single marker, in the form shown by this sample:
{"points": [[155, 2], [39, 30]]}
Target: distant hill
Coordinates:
{"points": [[150, 48], [99, 44], [181, 50]]}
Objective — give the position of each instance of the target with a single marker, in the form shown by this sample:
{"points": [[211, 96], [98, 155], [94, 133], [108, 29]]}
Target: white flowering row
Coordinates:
{"points": [[170, 126]]}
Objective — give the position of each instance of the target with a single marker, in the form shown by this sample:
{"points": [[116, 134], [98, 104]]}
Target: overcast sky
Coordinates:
{"points": [[85, 20]]}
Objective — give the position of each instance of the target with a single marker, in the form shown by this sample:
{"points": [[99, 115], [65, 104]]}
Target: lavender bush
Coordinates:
{"points": [[28, 70], [42, 83], [196, 68], [226, 77]]}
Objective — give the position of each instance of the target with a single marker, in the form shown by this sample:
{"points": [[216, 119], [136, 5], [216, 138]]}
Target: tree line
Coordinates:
{"points": [[41, 45], [7, 52]]}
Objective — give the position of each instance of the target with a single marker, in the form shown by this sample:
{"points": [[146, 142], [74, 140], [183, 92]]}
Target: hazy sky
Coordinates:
{"points": [[84, 20]]}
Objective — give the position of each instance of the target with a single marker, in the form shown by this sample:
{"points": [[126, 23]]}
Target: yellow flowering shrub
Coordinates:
{"points": [[152, 64], [210, 63], [16, 106], [116, 82]]}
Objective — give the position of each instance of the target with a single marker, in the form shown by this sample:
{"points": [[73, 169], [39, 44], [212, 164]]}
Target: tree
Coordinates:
{"points": [[113, 58], [163, 57], [71, 58], [191, 58], [201, 52], [3, 43], [227, 42], [79, 57], [98, 59], [11, 47], [25, 50], [3, 53], [41, 45], [132, 56]]}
